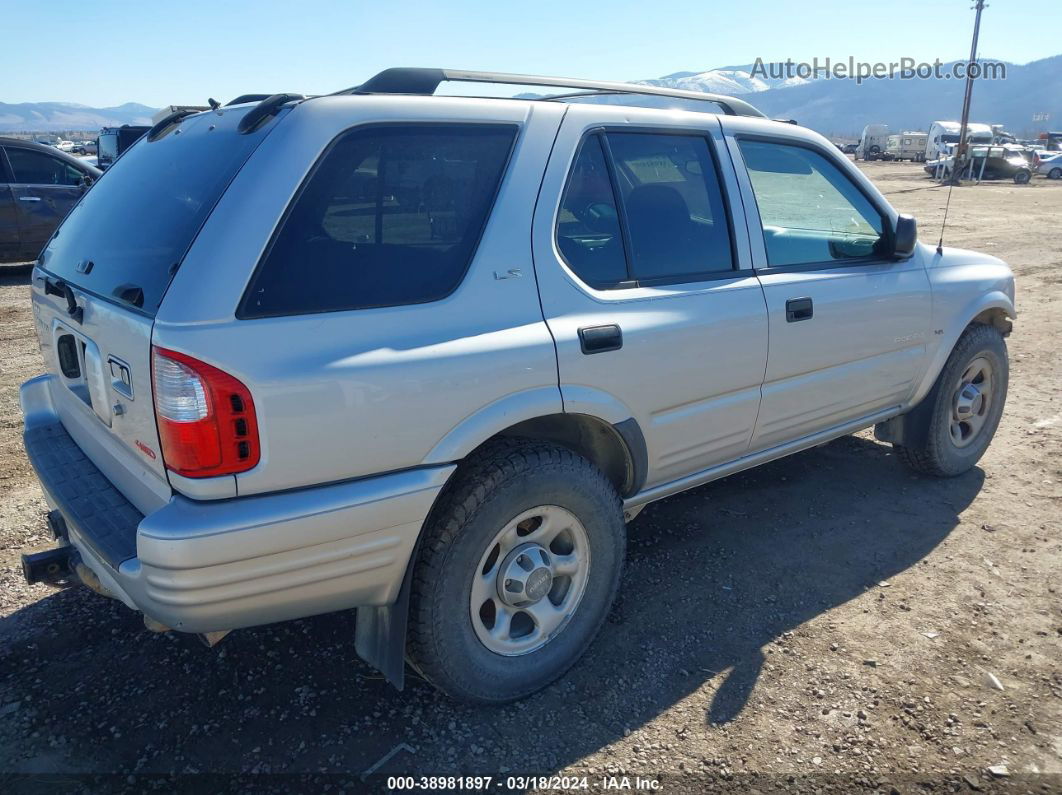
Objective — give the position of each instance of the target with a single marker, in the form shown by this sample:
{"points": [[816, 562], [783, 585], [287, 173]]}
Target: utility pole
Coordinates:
{"points": [[959, 161]]}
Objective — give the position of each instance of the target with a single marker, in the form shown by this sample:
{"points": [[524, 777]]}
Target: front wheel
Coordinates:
{"points": [[1022, 177], [1055, 173], [952, 428], [517, 572]]}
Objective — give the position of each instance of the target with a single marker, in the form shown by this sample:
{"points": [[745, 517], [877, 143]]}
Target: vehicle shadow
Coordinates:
{"points": [[715, 579], [12, 275]]}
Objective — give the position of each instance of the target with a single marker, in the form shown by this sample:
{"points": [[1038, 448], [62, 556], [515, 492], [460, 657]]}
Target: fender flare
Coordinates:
{"points": [[380, 631], [996, 299], [494, 418]]}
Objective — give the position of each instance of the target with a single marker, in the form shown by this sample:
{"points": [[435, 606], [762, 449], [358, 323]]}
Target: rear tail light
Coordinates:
{"points": [[206, 417]]}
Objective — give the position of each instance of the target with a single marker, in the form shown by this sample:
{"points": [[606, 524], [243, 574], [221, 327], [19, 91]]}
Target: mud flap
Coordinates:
{"points": [[380, 632], [910, 429]]}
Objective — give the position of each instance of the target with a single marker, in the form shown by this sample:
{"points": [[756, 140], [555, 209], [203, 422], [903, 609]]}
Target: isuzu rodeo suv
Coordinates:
{"points": [[424, 355]]}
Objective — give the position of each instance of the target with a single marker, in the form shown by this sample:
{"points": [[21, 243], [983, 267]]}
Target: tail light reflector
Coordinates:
{"points": [[206, 418]]}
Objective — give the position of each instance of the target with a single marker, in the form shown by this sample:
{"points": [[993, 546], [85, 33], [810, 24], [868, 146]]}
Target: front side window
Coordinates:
{"points": [[811, 212], [37, 168], [644, 209], [391, 216]]}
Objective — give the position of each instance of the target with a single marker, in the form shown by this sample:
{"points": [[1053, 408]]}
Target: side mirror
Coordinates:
{"points": [[905, 236]]}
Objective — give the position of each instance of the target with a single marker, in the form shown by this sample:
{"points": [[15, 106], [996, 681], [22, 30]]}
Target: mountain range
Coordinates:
{"points": [[835, 106], [55, 116], [843, 106]]}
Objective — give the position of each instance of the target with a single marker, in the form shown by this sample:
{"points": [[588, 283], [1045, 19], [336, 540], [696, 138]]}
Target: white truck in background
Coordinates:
{"points": [[872, 142], [906, 146], [944, 135]]}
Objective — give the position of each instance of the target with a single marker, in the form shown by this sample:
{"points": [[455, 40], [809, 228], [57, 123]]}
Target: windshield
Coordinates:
{"points": [[126, 237]]}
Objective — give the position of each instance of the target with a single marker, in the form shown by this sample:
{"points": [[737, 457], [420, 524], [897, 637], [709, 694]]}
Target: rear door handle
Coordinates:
{"points": [[599, 339], [797, 309], [29, 198]]}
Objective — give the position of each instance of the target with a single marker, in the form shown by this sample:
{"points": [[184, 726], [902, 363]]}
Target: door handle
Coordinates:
{"points": [[797, 309], [29, 198], [599, 339]]}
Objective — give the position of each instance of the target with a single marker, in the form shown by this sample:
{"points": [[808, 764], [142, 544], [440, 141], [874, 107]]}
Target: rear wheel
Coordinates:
{"points": [[518, 569], [962, 411], [1055, 173], [1022, 177]]}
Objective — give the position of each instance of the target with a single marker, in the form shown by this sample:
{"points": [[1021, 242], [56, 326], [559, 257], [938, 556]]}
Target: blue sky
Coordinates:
{"points": [[105, 52]]}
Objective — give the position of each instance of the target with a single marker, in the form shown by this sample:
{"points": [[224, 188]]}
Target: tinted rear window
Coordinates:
{"points": [[136, 223], [392, 215]]}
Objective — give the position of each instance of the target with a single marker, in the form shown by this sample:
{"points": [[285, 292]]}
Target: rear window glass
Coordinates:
{"points": [[136, 223], [392, 215]]}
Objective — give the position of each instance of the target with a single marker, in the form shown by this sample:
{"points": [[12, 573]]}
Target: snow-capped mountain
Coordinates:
{"points": [[732, 80]]}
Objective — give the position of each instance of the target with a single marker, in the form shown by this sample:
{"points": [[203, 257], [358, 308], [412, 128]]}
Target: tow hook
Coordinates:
{"points": [[52, 567]]}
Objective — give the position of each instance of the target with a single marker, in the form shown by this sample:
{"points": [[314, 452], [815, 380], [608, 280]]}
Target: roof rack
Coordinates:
{"points": [[404, 80]]}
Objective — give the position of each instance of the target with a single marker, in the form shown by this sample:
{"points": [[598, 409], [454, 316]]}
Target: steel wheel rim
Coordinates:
{"points": [[530, 580], [971, 402]]}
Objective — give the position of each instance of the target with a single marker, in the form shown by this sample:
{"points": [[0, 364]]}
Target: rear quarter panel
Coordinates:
{"points": [[347, 394]]}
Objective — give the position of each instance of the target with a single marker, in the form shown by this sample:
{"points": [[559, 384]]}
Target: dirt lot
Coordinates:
{"points": [[826, 621]]}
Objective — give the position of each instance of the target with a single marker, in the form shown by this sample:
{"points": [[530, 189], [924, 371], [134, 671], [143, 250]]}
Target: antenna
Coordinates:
{"points": [[947, 204]]}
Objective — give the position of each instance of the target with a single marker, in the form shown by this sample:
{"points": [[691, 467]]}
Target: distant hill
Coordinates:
{"points": [[841, 106], [831, 106], [52, 116]]}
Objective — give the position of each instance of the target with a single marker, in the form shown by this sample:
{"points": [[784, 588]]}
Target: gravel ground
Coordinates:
{"points": [[828, 621]]}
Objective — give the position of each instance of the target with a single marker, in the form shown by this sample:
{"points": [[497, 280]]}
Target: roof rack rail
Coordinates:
{"points": [[404, 80], [169, 120], [265, 109], [242, 98]]}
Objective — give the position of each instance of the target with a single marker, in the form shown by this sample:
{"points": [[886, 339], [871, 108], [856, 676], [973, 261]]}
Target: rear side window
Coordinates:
{"points": [[391, 216], [644, 209], [38, 168], [674, 206], [588, 229]]}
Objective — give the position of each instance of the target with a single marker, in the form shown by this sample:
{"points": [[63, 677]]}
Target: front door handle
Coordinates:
{"points": [[599, 339], [797, 309], [29, 198]]}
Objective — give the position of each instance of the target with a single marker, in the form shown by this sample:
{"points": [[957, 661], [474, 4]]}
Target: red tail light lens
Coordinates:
{"points": [[206, 417]]}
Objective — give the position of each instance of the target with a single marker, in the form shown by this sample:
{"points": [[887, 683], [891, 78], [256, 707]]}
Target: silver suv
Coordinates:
{"points": [[423, 356]]}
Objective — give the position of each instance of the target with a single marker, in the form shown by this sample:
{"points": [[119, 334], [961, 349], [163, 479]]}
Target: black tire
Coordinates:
{"points": [[928, 446], [1055, 173], [1022, 177], [490, 489]]}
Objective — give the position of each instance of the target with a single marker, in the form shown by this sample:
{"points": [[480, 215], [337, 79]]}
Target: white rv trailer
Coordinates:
{"points": [[906, 146], [943, 135]]}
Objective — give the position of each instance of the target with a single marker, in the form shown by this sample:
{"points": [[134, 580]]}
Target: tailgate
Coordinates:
{"points": [[102, 277], [102, 383]]}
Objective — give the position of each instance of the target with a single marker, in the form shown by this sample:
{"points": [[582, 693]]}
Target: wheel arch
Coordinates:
{"points": [[994, 308]]}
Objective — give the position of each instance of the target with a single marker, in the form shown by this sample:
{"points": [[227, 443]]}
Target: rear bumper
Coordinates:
{"points": [[204, 566]]}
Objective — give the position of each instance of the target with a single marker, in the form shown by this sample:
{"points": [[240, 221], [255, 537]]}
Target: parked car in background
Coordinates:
{"points": [[84, 148], [38, 186], [424, 356], [64, 145], [112, 141], [987, 162], [1050, 165]]}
